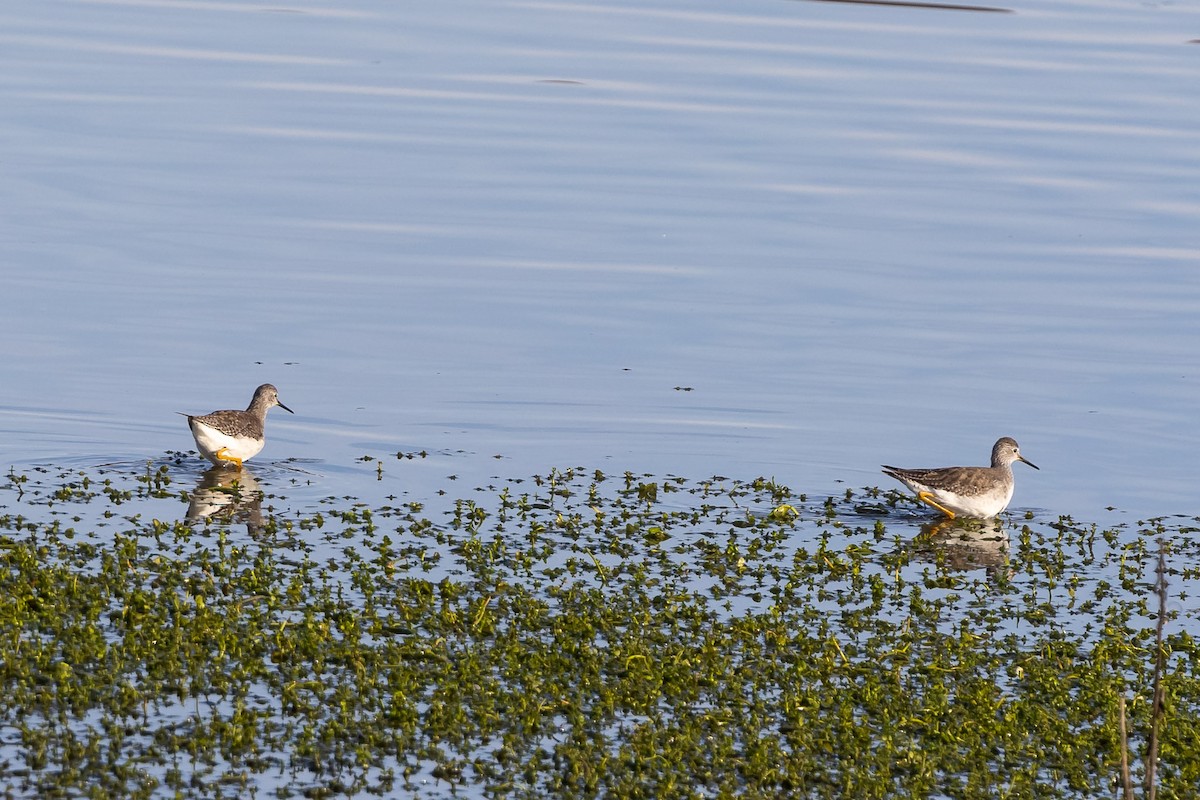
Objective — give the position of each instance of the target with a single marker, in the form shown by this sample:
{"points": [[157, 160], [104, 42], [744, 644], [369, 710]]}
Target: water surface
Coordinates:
{"points": [[786, 238]]}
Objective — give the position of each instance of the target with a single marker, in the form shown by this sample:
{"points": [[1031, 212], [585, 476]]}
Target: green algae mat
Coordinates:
{"points": [[581, 635]]}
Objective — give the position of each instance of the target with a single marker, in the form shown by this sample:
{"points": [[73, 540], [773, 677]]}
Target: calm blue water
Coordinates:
{"points": [[777, 238], [855, 234]]}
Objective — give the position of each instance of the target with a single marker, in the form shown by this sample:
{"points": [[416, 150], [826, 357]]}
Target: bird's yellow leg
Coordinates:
{"points": [[223, 454], [924, 497]]}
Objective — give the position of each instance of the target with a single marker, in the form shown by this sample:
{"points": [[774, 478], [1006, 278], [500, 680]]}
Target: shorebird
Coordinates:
{"points": [[971, 491], [231, 437]]}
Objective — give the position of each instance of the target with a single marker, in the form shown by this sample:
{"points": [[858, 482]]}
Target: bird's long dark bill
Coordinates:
{"points": [[285, 408], [1030, 463]]}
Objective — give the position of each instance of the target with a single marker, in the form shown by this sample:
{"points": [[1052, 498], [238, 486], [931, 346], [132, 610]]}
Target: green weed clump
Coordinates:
{"points": [[578, 635]]}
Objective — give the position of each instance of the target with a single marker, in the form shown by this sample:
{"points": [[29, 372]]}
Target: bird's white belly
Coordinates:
{"points": [[211, 441], [985, 505]]}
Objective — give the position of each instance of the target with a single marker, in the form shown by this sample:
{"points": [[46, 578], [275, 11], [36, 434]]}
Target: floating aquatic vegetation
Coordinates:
{"points": [[578, 635]]}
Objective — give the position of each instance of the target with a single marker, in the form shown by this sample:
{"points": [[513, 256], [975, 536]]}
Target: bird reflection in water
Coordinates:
{"points": [[964, 544], [227, 497]]}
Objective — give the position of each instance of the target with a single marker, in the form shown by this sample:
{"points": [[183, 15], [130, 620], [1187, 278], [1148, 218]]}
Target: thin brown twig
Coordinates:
{"points": [[1158, 709], [1125, 779]]}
